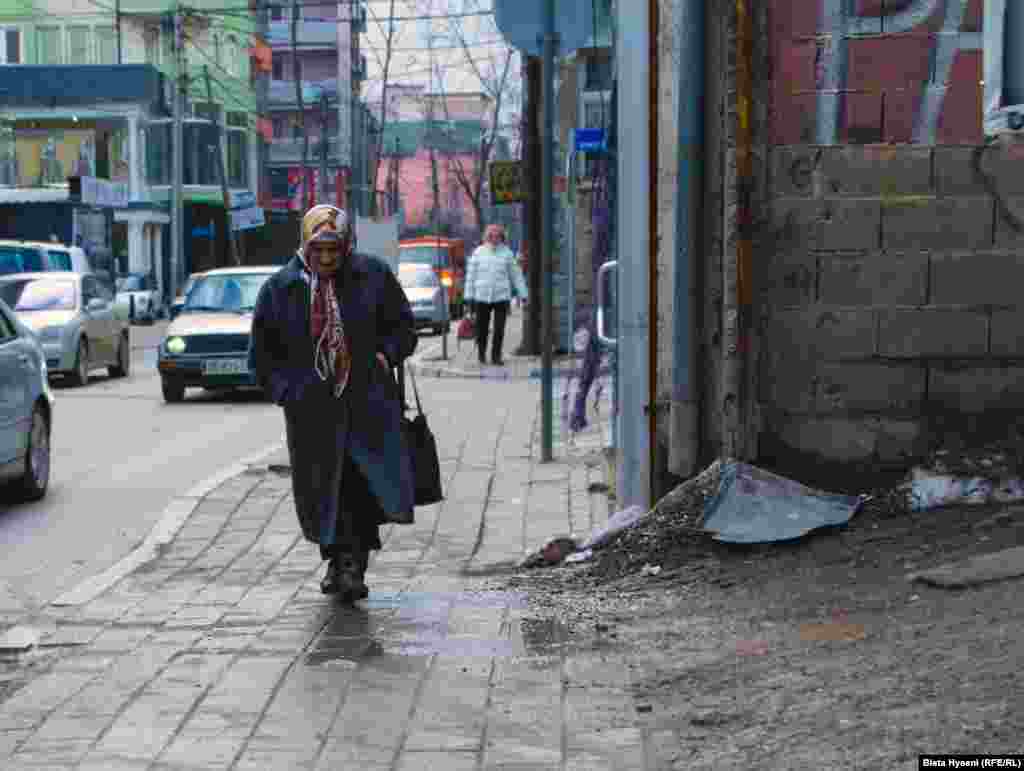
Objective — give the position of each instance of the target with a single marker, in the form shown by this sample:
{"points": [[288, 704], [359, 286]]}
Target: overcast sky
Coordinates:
{"points": [[429, 52]]}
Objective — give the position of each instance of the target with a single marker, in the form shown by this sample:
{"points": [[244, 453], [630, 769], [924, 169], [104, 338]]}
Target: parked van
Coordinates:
{"points": [[447, 256]]}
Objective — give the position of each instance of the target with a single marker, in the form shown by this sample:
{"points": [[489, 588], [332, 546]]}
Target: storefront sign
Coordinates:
{"points": [[242, 199], [247, 219], [102, 192]]}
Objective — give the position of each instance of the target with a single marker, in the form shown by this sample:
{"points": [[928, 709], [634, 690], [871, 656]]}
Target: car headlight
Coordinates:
{"points": [[176, 345]]}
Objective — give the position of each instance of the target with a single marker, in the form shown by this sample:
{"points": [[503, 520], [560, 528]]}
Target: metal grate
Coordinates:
{"points": [[217, 344]]}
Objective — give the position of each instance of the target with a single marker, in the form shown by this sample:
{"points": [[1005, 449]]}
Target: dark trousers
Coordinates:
{"points": [[483, 321]]}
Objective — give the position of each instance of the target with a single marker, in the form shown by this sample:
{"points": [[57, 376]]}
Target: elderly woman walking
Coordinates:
{"points": [[327, 330], [493, 279]]}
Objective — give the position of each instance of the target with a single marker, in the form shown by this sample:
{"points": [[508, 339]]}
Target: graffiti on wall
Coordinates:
{"points": [[896, 71]]}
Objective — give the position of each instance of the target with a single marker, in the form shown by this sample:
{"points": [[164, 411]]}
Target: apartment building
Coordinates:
{"points": [[100, 129], [313, 101]]}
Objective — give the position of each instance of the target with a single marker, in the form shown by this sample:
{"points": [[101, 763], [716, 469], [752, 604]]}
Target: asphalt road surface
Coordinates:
{"points": [[120, 455]]}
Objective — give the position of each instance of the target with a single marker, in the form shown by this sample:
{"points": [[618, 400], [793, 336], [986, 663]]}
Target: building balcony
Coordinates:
{"points": [[290, 151], [281, 93], [309, 34]]}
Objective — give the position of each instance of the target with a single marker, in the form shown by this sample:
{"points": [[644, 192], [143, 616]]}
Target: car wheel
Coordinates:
{"points": [[174, 390], [124, 359], [80, 372], [36, 477]]}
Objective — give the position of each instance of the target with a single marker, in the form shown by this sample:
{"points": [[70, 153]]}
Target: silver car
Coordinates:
{"points": [[426, 295], [207, 343], [73, 316], [26, 408]]}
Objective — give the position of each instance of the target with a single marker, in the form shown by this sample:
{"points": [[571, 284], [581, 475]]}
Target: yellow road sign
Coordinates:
{"points": [[507, 183]]}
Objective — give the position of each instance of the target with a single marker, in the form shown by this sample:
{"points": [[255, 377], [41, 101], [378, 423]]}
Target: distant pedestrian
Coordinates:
{"points": [[327, 330], [493, 280]]}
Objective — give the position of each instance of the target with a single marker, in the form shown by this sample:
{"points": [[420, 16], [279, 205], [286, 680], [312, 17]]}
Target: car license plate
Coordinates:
{"points": [[226, 367]]}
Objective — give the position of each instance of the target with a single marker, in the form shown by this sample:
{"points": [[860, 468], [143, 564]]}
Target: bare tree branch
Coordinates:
{"points": [[379, 144]]}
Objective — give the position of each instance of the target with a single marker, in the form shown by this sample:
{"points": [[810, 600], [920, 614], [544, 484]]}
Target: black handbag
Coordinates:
{"points": [[426, 466]]}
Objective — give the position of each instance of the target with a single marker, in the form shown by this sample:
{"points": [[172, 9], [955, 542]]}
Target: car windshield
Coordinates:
{"points": [[417, 279], [423, 255], [235, 292], [19, 259], [59, 259], [131, 284], [39, 294]]}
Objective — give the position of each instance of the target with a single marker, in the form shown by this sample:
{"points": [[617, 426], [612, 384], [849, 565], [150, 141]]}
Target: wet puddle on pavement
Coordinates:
{"points": [[462, 625]]}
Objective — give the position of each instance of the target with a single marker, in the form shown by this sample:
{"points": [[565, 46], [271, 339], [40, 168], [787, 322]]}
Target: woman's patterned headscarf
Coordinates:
{"points": [[331, 358]]}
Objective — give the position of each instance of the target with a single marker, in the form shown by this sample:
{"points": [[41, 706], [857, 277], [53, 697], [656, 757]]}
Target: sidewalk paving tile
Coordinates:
{"points": [[221, 653]]}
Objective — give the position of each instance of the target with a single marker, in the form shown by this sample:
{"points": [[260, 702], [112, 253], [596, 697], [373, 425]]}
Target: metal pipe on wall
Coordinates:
{"points": [[738, 288], [633, 248], [684, 444], [653, 66], [547, 215]]}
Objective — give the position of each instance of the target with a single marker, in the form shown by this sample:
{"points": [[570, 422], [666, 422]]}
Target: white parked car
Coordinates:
{"points": [[61, 257], [140, 288]]}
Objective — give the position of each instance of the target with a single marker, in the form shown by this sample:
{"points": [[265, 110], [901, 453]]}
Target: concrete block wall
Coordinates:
{"points": [[890, 274]]}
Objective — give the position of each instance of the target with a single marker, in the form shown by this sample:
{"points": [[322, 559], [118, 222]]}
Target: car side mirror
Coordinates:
{"points": [[96, 304]]}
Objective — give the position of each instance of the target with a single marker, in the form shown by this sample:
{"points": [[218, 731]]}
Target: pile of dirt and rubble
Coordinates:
{"points": [[671, 535]]}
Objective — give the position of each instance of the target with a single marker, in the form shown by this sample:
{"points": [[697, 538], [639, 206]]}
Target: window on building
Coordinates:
{"points": [[50, 49], [238, 157], [158, 153], [297, 69], [10, 45], [232, 59], [106, 45], [151, 36], [276, 13], [277, 68], [79, 39]]}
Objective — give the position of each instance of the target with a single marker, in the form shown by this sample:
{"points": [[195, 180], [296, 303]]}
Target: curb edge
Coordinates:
{"points": [[171, 521]]}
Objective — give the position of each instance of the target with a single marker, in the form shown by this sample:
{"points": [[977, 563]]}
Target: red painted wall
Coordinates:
{"points": [[896, 52], [416, 190]]}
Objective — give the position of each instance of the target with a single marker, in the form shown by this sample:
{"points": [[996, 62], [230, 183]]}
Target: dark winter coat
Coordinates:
{"points": [[377, 319]]}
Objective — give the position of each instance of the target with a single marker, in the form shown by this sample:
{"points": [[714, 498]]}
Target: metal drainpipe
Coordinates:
{"points": [[737, 263], [632, 231], [685, 416], [654, 69]]}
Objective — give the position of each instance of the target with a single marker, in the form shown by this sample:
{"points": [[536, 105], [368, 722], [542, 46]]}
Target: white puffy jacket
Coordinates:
{"points": [[494, 276]]}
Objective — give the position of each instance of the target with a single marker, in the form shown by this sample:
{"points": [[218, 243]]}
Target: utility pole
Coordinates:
{"points": [[323, 146], [547, 212], [219, 151], [532, 207], [355, 184], [178, 159], [262, 87], [117, 23], [297, 75]]}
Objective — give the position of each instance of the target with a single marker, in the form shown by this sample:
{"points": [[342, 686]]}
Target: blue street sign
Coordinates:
{"points": [[590, 140], [521, 23]]}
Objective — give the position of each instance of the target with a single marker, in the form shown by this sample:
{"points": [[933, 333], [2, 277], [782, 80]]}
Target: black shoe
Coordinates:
{"points": [[497, 361], [350, 580], [481, 358], [331, 582]]}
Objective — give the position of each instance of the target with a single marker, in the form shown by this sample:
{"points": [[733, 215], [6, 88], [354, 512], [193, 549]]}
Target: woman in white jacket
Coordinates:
{"points": [[493, 279]]}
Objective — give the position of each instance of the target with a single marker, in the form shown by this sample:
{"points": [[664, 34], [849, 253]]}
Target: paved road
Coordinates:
{"points": [[119, 456]]}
